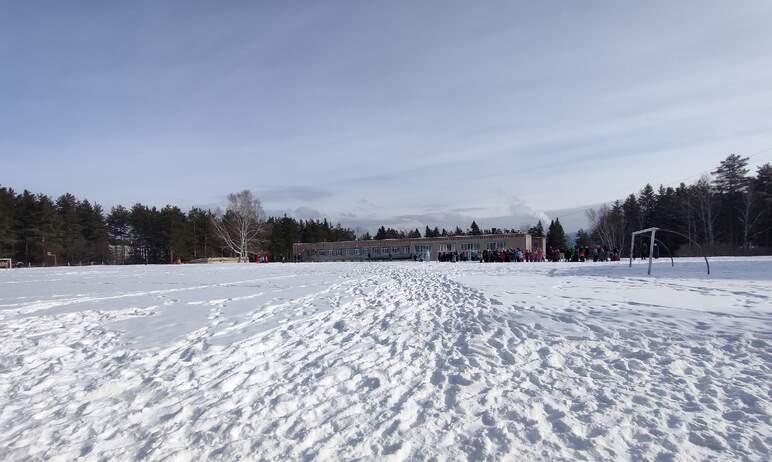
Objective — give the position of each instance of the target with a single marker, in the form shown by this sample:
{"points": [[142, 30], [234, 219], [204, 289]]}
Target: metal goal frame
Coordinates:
{"points": [[654, 239]]}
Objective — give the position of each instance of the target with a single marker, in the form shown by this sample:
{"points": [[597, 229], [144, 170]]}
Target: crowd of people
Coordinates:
{"points": [[457, 256], [493, 256], [582, 254], [511, 255]]}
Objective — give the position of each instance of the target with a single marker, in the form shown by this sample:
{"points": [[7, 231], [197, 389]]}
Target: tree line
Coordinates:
{"points": [[473, 230], [39, 230], [727, 212]]}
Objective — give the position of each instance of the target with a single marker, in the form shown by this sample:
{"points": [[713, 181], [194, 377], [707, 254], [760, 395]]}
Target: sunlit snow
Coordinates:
{"points": [[335, 361]]}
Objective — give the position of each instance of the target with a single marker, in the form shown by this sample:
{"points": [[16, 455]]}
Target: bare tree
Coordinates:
{"points": [[608, 224], [748, 215], [706, 210], [243, 226]]}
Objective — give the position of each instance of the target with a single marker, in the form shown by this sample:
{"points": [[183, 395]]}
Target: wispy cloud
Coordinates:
{"points": [[294, 193]]}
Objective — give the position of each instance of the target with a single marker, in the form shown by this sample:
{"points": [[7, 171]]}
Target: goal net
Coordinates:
{"points": [[6, 263], [652, 244]]}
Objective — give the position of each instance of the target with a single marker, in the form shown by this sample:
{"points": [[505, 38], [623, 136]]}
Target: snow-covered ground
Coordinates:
{"points": [[345, 361]]}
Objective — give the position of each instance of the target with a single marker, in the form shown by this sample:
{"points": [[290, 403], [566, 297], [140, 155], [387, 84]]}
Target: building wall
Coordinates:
{"points": [[397, 249]]}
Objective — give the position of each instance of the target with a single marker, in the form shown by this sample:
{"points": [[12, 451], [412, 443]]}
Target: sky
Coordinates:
{"points": [[396, 113]]}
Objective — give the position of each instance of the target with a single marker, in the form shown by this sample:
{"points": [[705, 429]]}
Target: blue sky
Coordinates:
{"points": [[400, 113]]}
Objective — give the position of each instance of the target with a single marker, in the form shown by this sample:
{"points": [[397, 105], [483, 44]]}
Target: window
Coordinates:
{"points": [[446, 247], [470, 246], [422, 249], [497, 245]]}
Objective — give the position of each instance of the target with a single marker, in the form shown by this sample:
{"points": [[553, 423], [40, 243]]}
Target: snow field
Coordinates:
{"points": [[344, 361]]}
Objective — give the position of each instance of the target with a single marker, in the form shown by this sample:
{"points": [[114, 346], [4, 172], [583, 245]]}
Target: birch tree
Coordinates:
{"points": [[706, 208], [608, 224], [243, 225], [749, 215]]}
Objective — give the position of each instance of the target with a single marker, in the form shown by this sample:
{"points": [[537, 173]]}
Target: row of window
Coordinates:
{"points": [[423, 249], [405, 250], [372, 251]]}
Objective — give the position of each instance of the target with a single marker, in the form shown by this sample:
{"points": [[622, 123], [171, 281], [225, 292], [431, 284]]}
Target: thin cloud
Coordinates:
{"points": [[294, 193]]}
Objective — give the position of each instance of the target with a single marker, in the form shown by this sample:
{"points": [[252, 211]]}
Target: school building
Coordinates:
{"points": [[419, 248]]}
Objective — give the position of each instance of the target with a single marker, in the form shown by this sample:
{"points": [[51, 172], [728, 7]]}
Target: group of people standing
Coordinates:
{"points": [[583, 254], [511, 255], [456, 256], [580, 254]]}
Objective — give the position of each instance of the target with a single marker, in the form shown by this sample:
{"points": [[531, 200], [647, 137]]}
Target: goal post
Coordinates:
{"points": [[653, 232], [653, 239], [6, 263]]}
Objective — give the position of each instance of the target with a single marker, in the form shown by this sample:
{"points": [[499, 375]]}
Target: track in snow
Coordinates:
{"points": [[403, 361]]}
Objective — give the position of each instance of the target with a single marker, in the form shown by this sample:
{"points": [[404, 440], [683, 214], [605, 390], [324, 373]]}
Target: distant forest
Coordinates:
{"points": [[37, 229], [728, 212]]}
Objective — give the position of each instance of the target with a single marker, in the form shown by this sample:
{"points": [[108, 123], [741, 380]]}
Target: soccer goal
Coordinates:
{"points": [[652, 232], [6, 263]]}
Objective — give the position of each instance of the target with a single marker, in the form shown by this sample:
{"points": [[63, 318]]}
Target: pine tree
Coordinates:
{"points": [[582, 239], [73, 242], [556, 236], [119, 232], [175, 234], [474, 230], [763, 186], [204, 236], [27, 227], [730, 182], [7, 216], [647, 201], [731, 176], [537, 231]]}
